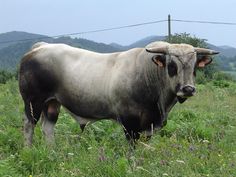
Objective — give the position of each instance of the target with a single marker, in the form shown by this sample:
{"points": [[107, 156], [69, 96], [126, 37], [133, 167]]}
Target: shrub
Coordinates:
{"points": [[200, 77], [6, 75], [221, 83], [219, 76]]}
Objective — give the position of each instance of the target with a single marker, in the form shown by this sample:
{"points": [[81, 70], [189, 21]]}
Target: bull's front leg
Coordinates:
{"points": [[131, 128], [131, 135]]}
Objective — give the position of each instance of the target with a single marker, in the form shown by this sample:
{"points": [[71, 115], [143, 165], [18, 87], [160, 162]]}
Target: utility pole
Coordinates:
{"points": [[169, 28]]}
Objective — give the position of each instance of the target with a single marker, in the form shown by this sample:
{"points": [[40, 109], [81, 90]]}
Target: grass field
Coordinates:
{"points": [[199, 140], [232, 73]]}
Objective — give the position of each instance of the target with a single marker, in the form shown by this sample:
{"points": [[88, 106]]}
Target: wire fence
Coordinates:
{"points": [[121, 27]]}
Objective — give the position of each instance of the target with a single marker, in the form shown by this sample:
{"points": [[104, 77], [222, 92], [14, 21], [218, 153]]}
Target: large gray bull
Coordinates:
{"points": [[137, 87]]}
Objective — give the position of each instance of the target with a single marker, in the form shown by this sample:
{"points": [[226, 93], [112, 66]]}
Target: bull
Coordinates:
{"points": [[136, 88]]}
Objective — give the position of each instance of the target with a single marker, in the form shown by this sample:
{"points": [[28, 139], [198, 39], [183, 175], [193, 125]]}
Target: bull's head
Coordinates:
{"points": [[180, 62]]}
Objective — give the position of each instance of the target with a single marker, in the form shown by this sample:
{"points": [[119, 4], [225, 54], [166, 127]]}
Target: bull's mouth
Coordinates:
{"points": [[181, 97], [184, 92], [185, 95]]}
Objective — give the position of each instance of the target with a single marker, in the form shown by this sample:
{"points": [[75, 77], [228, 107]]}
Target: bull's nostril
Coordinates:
{"points": [[188, 90]]}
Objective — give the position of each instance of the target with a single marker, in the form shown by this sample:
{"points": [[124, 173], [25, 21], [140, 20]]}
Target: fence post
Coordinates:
{"points": [[169, 28]]}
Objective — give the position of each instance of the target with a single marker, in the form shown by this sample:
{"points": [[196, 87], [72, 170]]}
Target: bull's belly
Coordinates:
{"points": [[90, 108]]}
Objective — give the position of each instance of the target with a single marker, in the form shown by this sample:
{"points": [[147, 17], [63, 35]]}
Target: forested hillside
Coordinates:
{"points": [[11, 52], [14, 37]]}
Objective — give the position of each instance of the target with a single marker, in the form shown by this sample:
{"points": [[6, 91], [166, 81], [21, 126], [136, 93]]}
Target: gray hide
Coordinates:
{"points": [[137, 87]]}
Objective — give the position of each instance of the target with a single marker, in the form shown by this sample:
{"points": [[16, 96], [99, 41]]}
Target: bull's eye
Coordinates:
{"points": [[172, 69]]}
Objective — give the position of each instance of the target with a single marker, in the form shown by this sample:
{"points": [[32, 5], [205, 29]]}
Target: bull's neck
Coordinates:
{"points": [[157, 83]]}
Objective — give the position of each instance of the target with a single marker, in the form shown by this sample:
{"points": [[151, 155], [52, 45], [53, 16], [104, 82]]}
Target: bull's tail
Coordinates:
{"points": [[32, 115]]}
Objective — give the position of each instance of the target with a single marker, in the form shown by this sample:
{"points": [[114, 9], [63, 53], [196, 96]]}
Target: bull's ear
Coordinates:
{"points": [[203, 60], [159, 60], [204, 56]]}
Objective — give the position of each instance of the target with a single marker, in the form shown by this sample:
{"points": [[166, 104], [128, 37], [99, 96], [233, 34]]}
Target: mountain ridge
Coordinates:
{"points": [[14, 37], [10, 60]]}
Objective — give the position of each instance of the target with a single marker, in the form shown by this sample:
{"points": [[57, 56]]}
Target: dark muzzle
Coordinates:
{"points": [[188, 90], [185, 91]]}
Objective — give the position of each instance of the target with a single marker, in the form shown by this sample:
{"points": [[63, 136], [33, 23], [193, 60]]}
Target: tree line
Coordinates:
{"points": [[203, 75], [6, 75]]}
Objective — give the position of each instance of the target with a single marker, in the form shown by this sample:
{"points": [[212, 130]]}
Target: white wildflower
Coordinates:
{"points": [[205, 141], [70, 153], [180, 161]]}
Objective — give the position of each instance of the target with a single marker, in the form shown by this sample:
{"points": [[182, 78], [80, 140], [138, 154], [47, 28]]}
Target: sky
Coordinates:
{"points": [[55, 17]]}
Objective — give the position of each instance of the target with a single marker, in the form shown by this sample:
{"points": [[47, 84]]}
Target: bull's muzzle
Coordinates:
{"points": [[186, 91]]}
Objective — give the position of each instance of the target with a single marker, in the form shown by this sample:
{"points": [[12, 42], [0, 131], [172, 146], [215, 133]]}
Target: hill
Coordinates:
{"points": [[145, 41], [140, 43], [9, 60], [9, 38], [226, 51]]}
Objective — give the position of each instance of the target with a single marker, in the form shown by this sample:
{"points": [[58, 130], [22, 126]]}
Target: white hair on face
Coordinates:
{"points": [[180, 49]]}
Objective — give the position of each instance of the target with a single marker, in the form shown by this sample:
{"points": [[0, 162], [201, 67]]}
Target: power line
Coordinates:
{"points": [[205, 22], [86, 32], [119, 27]]}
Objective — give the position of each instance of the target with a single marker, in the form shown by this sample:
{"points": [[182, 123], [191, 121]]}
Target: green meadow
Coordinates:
{"points": [[198, 140]]}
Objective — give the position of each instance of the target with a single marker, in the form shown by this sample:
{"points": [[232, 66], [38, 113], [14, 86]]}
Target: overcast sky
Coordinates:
{"points": [[54, 17]]}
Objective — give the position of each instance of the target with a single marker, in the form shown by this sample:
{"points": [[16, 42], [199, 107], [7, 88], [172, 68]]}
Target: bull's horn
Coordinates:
{"points": [[162, 50], [203, 51]]}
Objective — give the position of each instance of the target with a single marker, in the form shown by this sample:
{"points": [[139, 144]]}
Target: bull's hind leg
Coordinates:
{"points": [[50, 115], [32, 114]]}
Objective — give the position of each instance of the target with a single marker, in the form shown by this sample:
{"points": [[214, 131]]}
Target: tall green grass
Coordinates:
{"points": [[198, 140]]}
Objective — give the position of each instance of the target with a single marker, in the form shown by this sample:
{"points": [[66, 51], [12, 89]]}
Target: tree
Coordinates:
{"points": [[207, 72], [186, 38]]}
